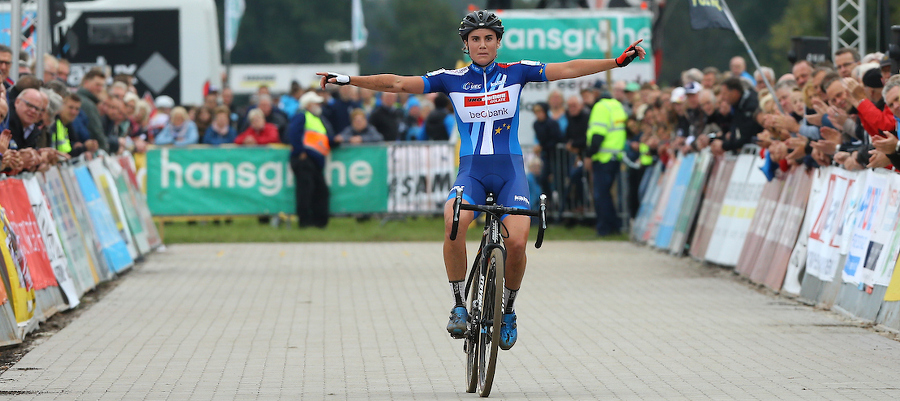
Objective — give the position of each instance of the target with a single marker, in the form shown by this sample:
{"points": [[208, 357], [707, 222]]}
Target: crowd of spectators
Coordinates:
{"points": [[841, 112]]}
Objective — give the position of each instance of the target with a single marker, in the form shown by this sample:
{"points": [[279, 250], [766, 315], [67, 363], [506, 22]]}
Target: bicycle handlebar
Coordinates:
{"points": [[541, 214]]}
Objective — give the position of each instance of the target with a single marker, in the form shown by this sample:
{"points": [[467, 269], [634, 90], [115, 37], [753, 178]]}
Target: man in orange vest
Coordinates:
{"points": [[309, 137]]}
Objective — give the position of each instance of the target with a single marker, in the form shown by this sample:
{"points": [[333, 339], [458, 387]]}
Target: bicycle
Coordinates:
{"points": [[484, 288]]}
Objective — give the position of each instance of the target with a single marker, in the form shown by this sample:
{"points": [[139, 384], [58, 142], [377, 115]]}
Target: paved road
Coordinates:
{"points": [[365, 321]]}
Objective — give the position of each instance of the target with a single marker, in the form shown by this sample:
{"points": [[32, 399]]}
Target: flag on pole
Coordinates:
{"points": [[706, 14], [234, 10], [359, 34]]}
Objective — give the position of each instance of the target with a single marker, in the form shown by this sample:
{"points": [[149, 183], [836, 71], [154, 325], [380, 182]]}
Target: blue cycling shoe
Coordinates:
{"points": [[508, 332], [457, 325]]}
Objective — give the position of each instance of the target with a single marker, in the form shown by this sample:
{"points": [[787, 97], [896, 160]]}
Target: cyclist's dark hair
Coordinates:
{"points": [[480, 19]]}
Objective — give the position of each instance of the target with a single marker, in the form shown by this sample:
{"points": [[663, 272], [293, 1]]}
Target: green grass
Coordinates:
{"points": [[248, 229]]}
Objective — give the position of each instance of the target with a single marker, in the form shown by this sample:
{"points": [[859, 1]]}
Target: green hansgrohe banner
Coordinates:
{"points": [[233, 180], [557, 36]]}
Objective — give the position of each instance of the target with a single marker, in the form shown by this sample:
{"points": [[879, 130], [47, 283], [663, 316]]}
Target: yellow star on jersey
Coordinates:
{"points": [[541, 71], [497, 131]]}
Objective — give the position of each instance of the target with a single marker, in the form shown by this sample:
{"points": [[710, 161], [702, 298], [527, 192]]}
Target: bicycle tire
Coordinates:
{"points": [[489, 336], [472, 305]]}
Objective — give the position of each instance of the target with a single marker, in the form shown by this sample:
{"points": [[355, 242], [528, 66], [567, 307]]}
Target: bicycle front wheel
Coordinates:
{"points": [[474, 305], [489, 335]]}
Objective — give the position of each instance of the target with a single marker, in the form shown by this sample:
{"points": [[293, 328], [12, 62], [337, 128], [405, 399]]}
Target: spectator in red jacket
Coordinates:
{"points": [[259, 132]]}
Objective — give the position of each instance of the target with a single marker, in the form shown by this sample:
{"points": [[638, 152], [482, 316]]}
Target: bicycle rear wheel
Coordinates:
{"points": [[489, 334], [473, 305]]}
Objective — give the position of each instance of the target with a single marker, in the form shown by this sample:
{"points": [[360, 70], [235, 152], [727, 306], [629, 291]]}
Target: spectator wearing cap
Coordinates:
{"points": [[677, 99], [694, 116], [211, 98], [259, 132], [845, 60], [164, 105], [180, 131], [310, 143], [92, 86], [220, 131], [387, 117]]}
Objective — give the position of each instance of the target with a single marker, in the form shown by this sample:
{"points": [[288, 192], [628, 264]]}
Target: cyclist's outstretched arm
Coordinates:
{"points": [[379, 83], [581, 67]]}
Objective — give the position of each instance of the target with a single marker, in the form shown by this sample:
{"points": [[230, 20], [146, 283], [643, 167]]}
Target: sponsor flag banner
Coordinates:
{"points": [[707, 14], [59, 263], [113, 247]]}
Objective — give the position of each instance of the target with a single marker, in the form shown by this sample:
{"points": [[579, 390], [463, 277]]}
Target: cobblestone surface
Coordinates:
{"points": [[597, 320]]}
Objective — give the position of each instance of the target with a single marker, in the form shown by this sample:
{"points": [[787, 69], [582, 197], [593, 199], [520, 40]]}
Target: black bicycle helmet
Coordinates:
{"points": [[480, 19]]}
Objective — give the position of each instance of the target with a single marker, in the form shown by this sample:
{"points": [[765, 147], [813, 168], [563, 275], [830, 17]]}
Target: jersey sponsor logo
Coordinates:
{"points": [[484, 114], [471, 86], [531, 63], [435, 72], [479, 107], [489, 99], [520, 198]]}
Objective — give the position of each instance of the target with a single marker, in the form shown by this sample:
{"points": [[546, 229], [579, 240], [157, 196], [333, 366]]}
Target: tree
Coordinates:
{"points": [[421, 37]]}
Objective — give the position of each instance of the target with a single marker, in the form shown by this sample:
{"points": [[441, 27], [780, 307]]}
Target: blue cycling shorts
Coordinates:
{"points": [[502, 174]]}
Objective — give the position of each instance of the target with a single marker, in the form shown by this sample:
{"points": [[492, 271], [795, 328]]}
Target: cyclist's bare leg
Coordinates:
{"points": [[518, 227], [455, 251]]}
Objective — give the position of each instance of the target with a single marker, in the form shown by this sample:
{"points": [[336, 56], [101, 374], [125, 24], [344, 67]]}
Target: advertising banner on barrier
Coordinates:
{"points": [[824, 246], [55, 253], [676, 197], [888, 232], [139, 200], [128, 207], [691, 203], [70, 236], [14, 199], [113, 247], [793, 220], [16, 273], [101, 268], [762, 218], [108, 192], [712, 206], [258, 180], [357, 178], [420, 177], [738, 207], [858, 266], [893, 289], [219, 181]]}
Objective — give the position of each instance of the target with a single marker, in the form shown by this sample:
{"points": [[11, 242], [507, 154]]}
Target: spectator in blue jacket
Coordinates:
{"points": [[220, 131], [180, 131]]}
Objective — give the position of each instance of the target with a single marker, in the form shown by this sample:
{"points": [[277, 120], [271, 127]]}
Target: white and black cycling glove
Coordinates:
{"points": [[340, 79]]}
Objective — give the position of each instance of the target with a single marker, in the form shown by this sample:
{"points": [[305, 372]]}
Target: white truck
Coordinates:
{"points": [[171, 47]]}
